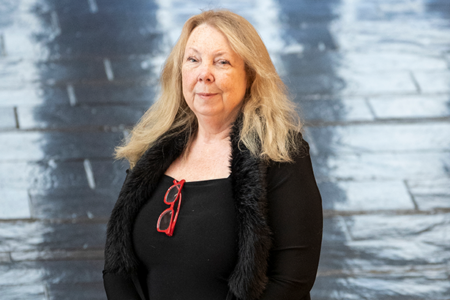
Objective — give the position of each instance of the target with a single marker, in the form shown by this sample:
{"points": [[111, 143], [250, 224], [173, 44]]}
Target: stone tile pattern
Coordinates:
{"points": [[372, 84]]}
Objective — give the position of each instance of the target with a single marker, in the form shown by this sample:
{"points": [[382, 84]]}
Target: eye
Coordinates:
{"points": [[224, 62], [191, 59]]}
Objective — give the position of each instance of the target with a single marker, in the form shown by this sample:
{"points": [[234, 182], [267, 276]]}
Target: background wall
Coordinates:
{"points": [[372, 81]]}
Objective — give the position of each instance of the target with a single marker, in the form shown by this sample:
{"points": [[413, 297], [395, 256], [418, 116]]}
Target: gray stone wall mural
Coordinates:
{"points": [[372, 83]]}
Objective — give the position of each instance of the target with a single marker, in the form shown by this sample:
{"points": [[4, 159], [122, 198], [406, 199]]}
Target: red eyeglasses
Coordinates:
{"points": [[166, 221]]}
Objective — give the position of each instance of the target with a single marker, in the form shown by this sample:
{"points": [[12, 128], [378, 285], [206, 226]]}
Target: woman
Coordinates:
{"points": [[220, 201]]}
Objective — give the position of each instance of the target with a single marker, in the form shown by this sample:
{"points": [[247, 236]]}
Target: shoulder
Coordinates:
{"points": [[302, 146], [299, 154], [279, 172]]}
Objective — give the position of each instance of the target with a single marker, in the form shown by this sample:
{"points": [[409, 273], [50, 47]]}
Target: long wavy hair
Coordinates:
{"points": [[270, 122]]}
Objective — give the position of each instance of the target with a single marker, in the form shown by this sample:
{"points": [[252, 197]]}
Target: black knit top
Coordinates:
{"points": [[194, 263]]}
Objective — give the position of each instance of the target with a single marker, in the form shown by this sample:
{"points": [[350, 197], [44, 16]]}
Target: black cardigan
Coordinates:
{"points": [[249, 181]]}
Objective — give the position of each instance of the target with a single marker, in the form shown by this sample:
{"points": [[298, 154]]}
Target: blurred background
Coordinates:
{"points": [[372, 82]]}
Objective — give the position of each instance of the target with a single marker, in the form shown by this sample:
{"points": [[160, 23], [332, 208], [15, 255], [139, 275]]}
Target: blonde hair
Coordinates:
{"points": [[270, 122]]}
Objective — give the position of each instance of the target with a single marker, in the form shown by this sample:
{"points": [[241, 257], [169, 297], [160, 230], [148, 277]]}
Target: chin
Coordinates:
{"points": [[206, 112]]}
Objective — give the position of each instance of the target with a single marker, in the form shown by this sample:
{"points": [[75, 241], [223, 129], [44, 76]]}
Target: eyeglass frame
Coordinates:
{"points": [[173, 219]]}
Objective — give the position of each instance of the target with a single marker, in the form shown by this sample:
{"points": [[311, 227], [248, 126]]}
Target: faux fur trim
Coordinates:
{"points": [[137, 189], [248, 280]]}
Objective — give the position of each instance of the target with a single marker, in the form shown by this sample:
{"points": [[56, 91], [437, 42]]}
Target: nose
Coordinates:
{"points": [[205, 75]]}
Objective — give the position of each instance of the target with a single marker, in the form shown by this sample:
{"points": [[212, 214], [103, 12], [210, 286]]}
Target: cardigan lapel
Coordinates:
{"points": [[248, 279], [248, 174], [137, 189]]}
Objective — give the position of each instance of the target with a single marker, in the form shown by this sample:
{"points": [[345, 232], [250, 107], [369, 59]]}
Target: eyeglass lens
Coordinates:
{"points": [[165, 220], [172, 194]]}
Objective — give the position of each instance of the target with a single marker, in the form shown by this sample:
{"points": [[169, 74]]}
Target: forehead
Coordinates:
{"points": [[207, 38]]}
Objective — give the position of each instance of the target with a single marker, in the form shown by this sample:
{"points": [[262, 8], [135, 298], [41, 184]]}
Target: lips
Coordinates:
{"points": [[206, 95]]}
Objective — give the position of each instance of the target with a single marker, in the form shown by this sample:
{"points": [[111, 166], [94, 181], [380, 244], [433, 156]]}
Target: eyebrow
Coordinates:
{"points": [[190, 48], [215, 54]]}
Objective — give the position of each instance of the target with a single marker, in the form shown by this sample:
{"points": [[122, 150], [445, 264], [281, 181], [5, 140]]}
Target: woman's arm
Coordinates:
{"points": [[119, 287], [295, 217]]}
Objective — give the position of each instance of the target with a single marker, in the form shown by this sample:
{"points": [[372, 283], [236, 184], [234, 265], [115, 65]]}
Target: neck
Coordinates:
{"points": [[211, 129]]}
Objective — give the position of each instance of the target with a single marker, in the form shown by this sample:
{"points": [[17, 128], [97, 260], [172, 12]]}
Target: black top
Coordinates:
{"points": [[294, 216], [196, 261]]}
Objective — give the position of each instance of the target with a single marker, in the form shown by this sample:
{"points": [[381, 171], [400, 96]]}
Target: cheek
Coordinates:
{"points": [[235, 84], [188, 80], [228, 82]]}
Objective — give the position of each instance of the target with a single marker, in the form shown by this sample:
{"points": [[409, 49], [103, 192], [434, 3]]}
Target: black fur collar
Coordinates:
{"points": [[248, 173]]}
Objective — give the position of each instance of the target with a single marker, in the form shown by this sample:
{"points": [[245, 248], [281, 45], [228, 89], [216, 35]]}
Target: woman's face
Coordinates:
{"points": [[214, 78]]}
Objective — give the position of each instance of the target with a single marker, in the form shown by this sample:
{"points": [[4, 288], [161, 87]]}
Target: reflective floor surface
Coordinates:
{"points": [[371, 79]]}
